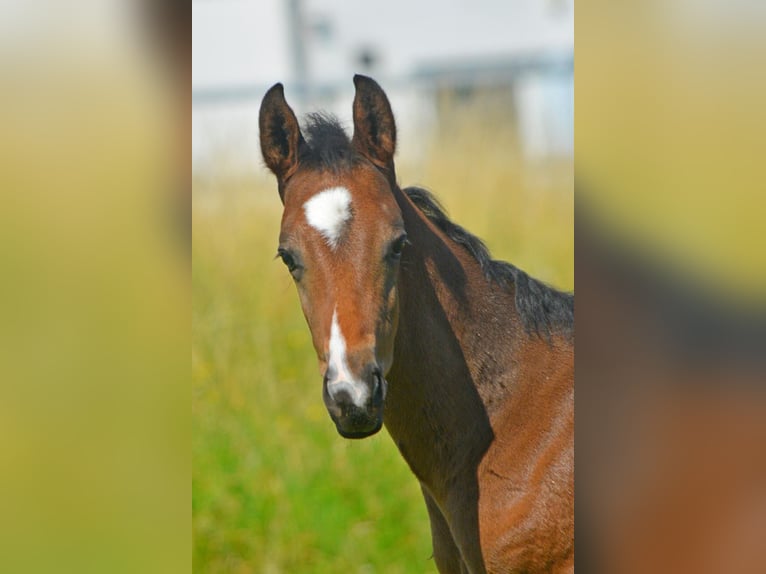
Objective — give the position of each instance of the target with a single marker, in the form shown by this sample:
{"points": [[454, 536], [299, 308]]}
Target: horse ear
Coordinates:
{"points": [[374, 127], [281, 137]]}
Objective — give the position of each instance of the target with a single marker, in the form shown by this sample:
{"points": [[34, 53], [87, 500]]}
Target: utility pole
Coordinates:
{"points": [[297, 32]]}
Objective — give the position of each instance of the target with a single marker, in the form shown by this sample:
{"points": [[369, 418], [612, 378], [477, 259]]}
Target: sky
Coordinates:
{"points": [[241, 42], [237, 42]]}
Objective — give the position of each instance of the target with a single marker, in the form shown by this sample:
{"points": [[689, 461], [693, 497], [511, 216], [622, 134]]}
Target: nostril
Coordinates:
{"points": [[343, 400], [378, 386]]}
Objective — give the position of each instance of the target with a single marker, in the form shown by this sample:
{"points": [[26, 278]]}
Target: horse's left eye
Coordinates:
{"points": [[398, 246]]}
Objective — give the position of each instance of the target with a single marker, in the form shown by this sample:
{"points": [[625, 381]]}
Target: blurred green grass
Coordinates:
{"points": [[275, 489]]}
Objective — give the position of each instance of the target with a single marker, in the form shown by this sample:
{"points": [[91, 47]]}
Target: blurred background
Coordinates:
{"points": [[94, 286], [671, 282], [433, 58], [483, 96]]}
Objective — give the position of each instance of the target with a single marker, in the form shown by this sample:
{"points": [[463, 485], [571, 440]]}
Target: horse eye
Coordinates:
{"points": [[287, 259], [398, 246]]}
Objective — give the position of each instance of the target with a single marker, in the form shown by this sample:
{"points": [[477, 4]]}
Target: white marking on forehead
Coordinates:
{"points": [[343, 377], [328, 211]]}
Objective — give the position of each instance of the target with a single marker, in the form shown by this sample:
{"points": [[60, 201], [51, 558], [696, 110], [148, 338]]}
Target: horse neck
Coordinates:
{"points": [[454, 341]]}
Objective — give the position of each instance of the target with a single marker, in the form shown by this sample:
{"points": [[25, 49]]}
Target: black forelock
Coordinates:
{"points": [[327, 144], [542, 308]]}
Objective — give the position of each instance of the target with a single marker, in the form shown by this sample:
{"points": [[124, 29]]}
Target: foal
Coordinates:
{"points": [[467, 361]]}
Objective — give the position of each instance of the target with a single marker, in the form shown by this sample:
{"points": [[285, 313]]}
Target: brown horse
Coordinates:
{"points": [[468, 361]]}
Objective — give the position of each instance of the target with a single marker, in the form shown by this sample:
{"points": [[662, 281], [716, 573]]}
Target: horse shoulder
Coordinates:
{"points": [[526, 479]]}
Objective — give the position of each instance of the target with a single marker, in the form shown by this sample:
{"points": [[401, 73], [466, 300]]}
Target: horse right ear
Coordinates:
{"points": [[281, 137], [374, 125]]}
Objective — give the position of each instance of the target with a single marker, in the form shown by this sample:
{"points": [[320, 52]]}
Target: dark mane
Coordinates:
{"points": [[329, 146], [542, 308]]}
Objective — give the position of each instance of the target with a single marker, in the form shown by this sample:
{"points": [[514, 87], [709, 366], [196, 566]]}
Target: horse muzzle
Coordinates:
{"points": [[356, 406]]}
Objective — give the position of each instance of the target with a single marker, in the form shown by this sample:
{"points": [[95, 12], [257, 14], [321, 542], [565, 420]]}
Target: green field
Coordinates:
{"points": [[275, 489]]}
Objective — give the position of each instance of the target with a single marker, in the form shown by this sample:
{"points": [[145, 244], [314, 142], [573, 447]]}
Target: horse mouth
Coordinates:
{"points": [[356, 421], [359, 423], [357, 434]]}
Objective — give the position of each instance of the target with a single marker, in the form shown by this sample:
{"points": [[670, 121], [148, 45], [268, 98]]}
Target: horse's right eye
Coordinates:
{"points": [[287, 259]]}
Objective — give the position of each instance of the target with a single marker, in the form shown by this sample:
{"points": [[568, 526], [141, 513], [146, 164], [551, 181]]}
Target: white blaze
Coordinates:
{"points": [[328, 211], [343, 377]]}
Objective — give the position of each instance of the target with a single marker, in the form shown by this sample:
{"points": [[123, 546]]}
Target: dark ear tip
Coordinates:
{"points": [[276, 90], [360, 80]]}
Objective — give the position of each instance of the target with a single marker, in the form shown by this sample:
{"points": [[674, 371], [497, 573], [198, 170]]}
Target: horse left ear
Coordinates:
{"points": [[374, 127]]}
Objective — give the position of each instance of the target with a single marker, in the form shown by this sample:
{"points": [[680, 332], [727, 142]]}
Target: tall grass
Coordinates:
{"points": [[275, 489]]}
